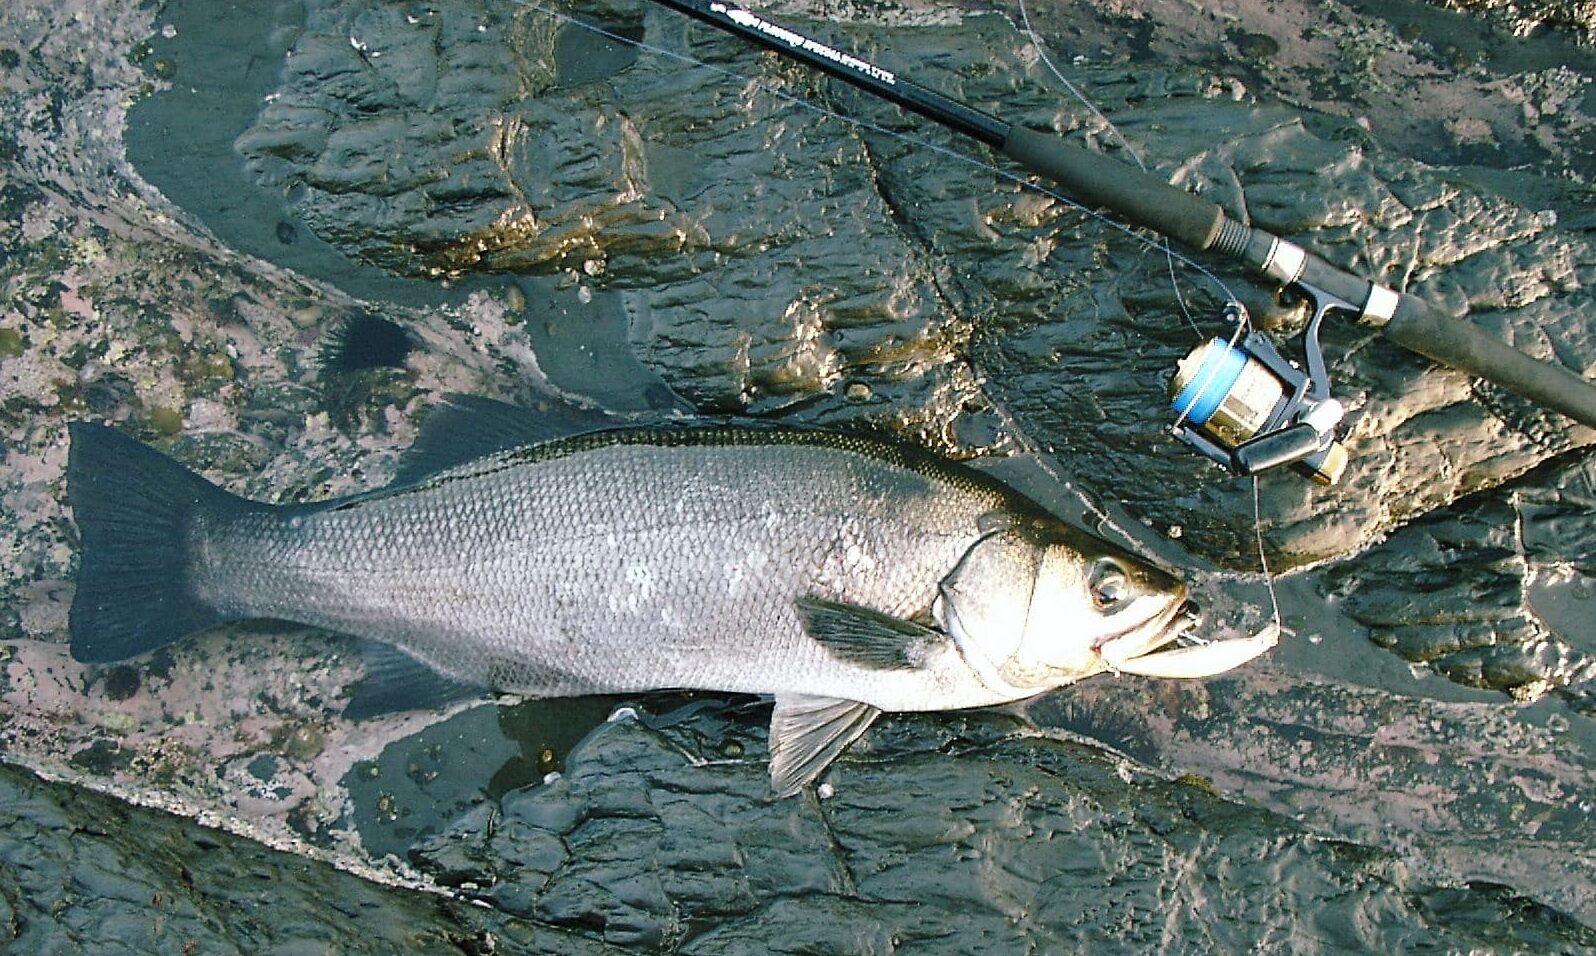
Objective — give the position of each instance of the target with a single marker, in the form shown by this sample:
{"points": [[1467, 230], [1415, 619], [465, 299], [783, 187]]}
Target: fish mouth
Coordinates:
{"points": [[1181, 616], [1171, 623], [1187, 615]]}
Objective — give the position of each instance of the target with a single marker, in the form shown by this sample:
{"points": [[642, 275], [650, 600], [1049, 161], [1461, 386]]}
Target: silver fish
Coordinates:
{"points": [[845, 576]]}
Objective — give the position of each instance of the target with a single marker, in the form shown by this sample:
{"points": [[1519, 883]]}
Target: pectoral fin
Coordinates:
{"points": [[807, 733], [867, 638]]}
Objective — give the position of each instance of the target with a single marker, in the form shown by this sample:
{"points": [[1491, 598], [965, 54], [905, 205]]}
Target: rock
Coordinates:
{"points": [[1469, 787], [966, 833], [1525, 16], [1492, 592], [85, 873]]}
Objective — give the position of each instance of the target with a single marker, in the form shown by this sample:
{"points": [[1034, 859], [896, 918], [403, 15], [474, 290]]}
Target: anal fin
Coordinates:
{"points": [[807, 733], [395, 682]]}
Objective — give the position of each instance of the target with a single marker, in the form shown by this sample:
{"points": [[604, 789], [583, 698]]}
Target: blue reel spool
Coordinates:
{"points": [[1221, 367]]}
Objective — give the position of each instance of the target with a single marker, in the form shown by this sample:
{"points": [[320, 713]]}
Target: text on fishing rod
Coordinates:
{"points": [[745, 19]]}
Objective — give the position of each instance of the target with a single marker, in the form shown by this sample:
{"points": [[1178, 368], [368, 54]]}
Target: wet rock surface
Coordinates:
{"points": [[538, 210], [1491, 592], [736, 261], [1429, 775], [85, 873], [1531, 15], [654, 839], [945, 835]]}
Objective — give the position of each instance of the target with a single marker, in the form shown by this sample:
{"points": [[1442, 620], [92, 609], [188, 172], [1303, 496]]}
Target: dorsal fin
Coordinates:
{"points": [[464, 428], [364, 340]]}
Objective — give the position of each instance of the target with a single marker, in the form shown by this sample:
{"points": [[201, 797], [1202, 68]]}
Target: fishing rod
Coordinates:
{"points": [[1241, 403]]}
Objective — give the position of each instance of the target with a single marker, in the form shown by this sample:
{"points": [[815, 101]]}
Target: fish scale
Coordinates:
{"points": [[616, 564]]}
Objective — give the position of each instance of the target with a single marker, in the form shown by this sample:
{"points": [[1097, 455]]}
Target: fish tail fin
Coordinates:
{"points": [[135, 509]]}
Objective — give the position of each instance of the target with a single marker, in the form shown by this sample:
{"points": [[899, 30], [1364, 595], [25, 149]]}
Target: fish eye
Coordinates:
{"points": [[1109, 585]]}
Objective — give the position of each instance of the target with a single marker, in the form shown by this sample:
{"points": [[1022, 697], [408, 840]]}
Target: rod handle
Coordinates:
{"points": [[1415, 324], [1422, 328], [1146, 200]]}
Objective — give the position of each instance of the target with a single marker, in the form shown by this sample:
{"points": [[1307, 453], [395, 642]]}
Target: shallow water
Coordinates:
{"points": [[643, 235]]}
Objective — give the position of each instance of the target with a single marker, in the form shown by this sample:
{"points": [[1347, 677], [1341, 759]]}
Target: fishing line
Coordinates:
{"points": [[1125, 144], [1301, 428], [1263, 560], [1209, 381], [1243, 325]]}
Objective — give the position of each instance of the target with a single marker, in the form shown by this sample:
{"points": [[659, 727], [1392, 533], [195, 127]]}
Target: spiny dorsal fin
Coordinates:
{"points": [[870, 639], [364, 340], [464, 428], [807, 733]]}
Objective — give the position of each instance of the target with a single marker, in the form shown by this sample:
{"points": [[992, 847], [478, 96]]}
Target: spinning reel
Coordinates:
{"points": [[1243, 405], [1248, 408]]}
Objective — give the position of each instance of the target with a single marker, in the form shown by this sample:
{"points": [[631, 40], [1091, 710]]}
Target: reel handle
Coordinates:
{"points": [[1290, 444]]}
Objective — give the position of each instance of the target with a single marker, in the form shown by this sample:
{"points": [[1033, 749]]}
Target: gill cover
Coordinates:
{"points": [[983, 604]]}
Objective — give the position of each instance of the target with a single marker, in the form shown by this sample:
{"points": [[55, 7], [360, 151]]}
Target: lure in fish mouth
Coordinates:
{"points": [[842, 575], [1134, 611]]}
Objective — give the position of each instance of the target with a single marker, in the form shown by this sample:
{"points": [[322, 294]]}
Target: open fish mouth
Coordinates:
{"points": [[1187, 615], [1176, 621], [1191, 657], [1167, 626]]}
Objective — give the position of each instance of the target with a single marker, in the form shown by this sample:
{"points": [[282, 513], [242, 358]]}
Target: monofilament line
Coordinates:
{"points": [[1156, 243]]}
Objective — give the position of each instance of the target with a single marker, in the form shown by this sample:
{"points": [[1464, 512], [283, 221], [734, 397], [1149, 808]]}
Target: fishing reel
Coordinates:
{"points": [[1247, 407]]}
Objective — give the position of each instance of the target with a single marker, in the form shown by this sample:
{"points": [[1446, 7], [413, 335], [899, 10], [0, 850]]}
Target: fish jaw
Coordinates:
{"points": [[1148, 636], [987, 671]]}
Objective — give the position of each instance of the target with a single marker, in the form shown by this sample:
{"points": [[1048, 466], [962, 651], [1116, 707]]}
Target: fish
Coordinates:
{"points": [[843, 575]]}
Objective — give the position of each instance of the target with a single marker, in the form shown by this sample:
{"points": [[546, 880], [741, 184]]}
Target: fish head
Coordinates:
{"points": [[1095, 602], [1038, 607]]}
